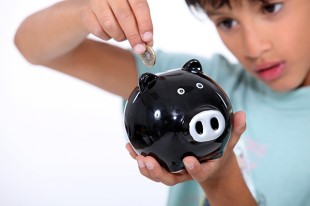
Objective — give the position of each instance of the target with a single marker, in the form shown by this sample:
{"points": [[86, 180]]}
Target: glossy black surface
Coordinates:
{"points": [[159, 111]]}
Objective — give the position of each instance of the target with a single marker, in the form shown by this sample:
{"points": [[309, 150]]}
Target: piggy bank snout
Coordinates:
{"points": [[207, 125]]}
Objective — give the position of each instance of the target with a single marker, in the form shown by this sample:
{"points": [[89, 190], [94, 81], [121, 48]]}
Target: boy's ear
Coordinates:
{"points": [[193, 66]]}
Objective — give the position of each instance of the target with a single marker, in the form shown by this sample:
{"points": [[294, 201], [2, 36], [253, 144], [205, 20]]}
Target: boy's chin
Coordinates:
{"points": [[283, 88]]}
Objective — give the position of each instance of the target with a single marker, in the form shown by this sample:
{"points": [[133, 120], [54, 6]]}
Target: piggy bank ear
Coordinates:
{"points": [[147, 81], [193, 66]]}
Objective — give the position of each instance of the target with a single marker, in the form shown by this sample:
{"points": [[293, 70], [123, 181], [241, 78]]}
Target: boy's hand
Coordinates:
{"points": [[120, 20], [204, 173]]}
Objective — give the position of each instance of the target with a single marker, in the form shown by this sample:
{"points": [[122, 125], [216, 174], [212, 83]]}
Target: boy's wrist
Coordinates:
{"points": [[230, 183]]}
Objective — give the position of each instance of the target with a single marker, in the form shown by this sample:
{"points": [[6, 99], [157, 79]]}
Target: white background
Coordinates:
{"points": [[62, 140]]}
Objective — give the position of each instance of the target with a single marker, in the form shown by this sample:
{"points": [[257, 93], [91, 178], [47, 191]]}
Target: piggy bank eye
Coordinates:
{"points": [[199, 85], [181, 91], [157, 114]]}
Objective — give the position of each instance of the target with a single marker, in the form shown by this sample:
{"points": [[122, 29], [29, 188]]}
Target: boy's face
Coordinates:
{"points": [[271, 40]]}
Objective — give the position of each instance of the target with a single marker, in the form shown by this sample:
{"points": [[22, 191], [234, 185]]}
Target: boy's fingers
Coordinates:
{"points": [[107, 20], [142, 13], [160, 174], [157, 173], [131, 151], [91, 22], [143, 168], [128, 22], [151, 169], [196, 170]]}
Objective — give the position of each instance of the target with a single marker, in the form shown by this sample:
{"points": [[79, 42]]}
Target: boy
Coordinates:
{"points": [[271, 84]]}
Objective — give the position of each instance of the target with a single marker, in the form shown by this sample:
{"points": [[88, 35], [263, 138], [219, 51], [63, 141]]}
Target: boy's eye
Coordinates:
{"points": [[272, 8], [227, 24]]}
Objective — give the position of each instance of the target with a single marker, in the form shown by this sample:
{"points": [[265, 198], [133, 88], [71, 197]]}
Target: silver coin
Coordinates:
{"points": [[148, 57]]}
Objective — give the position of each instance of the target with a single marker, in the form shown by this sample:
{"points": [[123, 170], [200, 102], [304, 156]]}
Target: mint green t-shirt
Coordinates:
{"points": [[277, 163]]}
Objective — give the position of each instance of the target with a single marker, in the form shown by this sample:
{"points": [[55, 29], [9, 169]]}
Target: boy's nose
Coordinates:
{"points": [[255, 44]]}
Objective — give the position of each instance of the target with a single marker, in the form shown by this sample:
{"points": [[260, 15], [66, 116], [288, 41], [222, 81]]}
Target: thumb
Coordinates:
{"points": [[131, 151], [239, 126]]}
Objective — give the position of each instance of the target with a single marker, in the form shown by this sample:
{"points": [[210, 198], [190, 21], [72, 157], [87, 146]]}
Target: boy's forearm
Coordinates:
{"points": [[51, 32], [229, 190]]}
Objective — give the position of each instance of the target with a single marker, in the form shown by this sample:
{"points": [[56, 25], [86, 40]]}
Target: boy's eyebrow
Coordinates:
{"points": [[214, 13]]}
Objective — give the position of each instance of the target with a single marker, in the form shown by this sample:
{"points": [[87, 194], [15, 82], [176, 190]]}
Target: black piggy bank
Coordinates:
{"points": [[178, 113]]}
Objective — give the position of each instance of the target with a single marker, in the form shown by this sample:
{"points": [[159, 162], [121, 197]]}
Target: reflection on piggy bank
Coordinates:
{"points": [[178, 113]]}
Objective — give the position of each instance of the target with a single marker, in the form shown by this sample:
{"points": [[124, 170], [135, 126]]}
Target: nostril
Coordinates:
{"points": [[207, 125], [199, 127], [214, 123]]}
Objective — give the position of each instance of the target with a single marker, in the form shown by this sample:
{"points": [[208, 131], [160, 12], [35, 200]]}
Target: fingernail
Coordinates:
{"points": [[139, 48], [189, 165], [147, 36], [149, 165], [244, 123], [141, 163], [243, 126]]}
